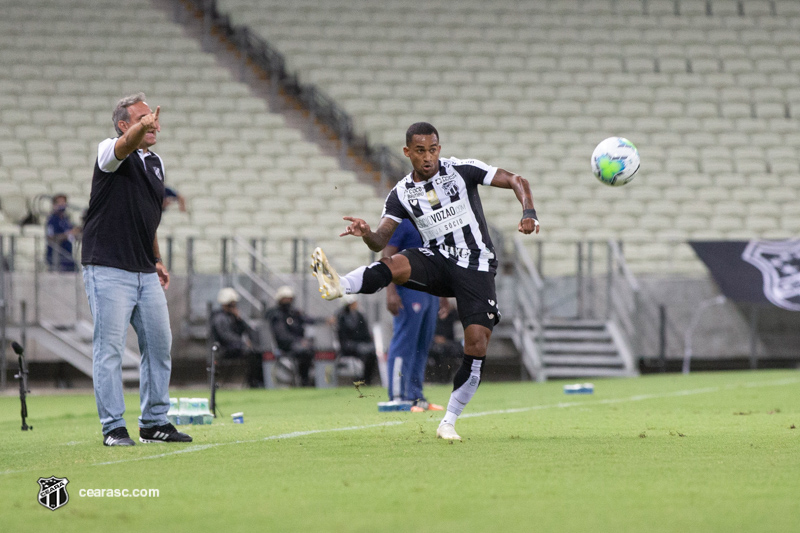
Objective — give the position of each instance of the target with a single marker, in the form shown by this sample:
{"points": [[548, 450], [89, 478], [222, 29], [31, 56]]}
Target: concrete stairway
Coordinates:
{"points": [[73, 344], [576, 348]]}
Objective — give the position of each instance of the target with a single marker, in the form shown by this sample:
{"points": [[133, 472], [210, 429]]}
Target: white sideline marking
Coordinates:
{"points": [[291, 435], [637, 398], [560, 405]]}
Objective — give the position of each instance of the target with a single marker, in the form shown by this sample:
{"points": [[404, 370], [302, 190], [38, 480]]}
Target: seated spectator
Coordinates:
{"points": [[445, 351], [288, 327], [355, 339], [60, 234], [235, 336]]}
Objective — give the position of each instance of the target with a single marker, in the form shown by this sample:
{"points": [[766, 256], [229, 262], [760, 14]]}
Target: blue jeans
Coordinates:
{"points": [[118, 298], [412, 335]]}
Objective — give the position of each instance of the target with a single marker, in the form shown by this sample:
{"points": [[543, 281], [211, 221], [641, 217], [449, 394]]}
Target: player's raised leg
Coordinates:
{"points": [[363, 280]]}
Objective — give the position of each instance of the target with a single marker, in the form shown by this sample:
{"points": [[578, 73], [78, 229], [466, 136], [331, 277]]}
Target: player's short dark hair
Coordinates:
{"points": [[56, 196], [420, 128]]}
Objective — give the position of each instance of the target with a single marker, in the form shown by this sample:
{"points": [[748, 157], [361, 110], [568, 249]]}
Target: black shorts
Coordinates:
{"points": [[473, 290]]}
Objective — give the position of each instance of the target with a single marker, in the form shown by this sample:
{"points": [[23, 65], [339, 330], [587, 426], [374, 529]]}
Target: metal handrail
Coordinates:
{"points": [[390, 164], [637, 314], [528, 302], [619, 258], [258, 258]]}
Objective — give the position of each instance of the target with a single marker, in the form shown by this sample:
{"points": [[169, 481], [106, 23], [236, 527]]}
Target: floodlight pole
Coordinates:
{"points": [[687, 352]]}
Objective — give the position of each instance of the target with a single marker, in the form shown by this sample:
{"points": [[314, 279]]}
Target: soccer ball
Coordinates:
{"points": [[615, 161]]}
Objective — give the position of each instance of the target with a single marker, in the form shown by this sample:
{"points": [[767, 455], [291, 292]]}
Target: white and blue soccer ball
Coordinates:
{"points": [[615, 161]]}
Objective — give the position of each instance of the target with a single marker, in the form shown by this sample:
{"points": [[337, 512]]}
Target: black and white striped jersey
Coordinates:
{"points": [[447, 211]]}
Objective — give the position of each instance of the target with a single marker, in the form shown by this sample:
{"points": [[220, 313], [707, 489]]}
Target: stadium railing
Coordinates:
{"points": [[528, 307]]}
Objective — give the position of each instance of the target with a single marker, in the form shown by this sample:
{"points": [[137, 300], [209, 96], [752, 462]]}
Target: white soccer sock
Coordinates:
{"points": [[367, 279], [352, 281], [465, 384]]}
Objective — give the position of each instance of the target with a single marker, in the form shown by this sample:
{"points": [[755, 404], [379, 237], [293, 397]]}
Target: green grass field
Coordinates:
{"points": [[706, 452]]}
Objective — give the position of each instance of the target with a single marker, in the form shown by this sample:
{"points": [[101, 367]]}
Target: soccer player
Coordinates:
{"points": [[457, 259]]}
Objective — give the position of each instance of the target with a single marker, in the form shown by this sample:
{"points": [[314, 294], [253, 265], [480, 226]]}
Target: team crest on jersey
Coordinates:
{"points": [[158, 174], [779, 263], [53, 492], [448, 184]]}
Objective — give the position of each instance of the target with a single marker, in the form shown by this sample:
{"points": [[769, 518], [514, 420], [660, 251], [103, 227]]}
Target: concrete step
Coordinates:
{"points": [[130, 375], [580, 347], [573, 323], [576, 335], [68, 342], [583, 360], [585, 372]]}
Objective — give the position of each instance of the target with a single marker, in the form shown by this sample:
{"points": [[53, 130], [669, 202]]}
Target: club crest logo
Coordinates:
{"points": [[448, 184], [53, 492], [779, 263], [417, 307]]}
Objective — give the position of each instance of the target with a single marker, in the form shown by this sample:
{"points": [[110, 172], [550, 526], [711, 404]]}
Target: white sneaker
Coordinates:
{"points": [[447, 432], [328, 279]]}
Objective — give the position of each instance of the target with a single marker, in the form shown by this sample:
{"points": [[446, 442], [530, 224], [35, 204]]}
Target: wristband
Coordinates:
{"points": [[529, 213], [158, 260]]}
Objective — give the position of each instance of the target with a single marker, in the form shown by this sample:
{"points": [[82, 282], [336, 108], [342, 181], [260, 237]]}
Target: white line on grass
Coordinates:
{"points": [[560, 405], [291, 435], [636, 398], [563, 405]]}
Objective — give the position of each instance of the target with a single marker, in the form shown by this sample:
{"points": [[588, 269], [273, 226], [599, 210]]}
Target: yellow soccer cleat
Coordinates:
{"points": [[328, 279]]}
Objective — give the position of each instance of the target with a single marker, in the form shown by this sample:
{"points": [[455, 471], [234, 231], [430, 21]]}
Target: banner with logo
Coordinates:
{"points": [[755, 271]]}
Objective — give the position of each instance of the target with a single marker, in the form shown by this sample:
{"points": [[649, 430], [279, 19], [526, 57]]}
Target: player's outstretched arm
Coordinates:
{"points": [[507, 180], [375, 240]]}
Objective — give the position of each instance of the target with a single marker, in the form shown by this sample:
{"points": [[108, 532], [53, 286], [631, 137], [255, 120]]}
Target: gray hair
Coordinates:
{"points": [[121, 111]]}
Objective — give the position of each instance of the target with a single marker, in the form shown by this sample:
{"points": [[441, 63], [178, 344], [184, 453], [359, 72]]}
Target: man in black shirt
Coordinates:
{"points": [[124, 276], [289, 329], [355, 339], [235, 336]]}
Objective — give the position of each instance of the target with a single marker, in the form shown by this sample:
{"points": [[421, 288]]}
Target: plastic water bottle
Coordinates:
{"points": [[395, 405], [173, 415], [579, 388]]}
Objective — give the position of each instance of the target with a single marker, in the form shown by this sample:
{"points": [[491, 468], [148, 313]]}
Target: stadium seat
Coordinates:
{"points": [[545, 76]]}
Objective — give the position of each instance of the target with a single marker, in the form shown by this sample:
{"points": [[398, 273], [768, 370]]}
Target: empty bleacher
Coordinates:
{"points": [[706, 89], [242, 168]]}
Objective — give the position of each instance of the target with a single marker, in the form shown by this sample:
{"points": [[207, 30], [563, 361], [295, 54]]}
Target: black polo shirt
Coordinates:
{"points": [[124, 210]]}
